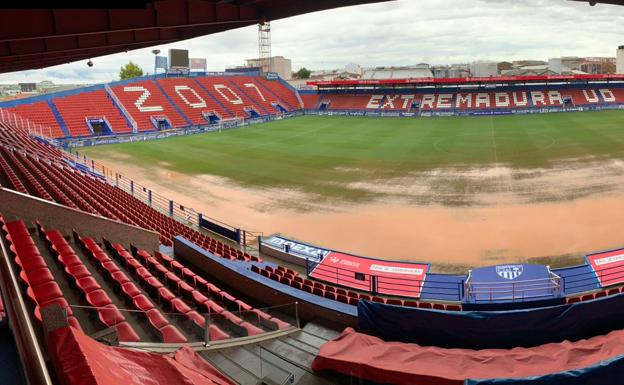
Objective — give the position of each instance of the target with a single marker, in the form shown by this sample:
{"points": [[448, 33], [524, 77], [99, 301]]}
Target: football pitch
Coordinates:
{"points": [[329, 155]]}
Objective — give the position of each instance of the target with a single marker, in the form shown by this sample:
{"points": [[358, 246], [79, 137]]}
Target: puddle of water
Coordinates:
{"points": [[501, 215]]}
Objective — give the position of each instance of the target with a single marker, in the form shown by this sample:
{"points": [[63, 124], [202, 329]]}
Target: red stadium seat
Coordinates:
{"points": [[600, 294], [393, 301], [110, 315], [156, 318], [130, 290], [87, 284], [126, 333], [217, 334], [98, 298], [573, 299], [410, 303], [142, 303], [170, 334]]}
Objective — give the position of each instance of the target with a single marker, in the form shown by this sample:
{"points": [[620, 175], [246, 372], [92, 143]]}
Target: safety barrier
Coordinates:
{"points": [[454, 112], [196, 325], [531, 289], [580, 280], [25, 124], [375, 284], [557, 285], [119, 104]]}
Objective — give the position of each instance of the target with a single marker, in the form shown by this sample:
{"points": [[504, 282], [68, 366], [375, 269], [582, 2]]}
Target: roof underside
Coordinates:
{"points": [[37, 38]]}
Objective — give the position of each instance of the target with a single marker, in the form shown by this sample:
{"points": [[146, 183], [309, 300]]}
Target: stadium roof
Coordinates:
{"points": [[422, 82], [37, 38]]}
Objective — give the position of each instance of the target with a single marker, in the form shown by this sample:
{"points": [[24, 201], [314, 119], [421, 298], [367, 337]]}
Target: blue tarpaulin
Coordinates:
{"points": [[492, 329], [606, 372]]}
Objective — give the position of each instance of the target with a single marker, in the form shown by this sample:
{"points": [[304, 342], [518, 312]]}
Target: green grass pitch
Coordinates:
{"points": [[322, 154]]}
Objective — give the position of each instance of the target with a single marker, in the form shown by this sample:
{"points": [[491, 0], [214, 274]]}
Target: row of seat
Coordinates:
{"points": [[282, 92], [143, 100], [120, 205], [41, 287], [225, 95], [203, 295], [81, 278], [592, 296], [10, 175], [39, 113], [167, 332], [29, 179], [340, 294], [192, 99], [75, 109]]}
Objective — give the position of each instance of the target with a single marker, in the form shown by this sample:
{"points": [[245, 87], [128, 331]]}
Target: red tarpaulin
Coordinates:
{"points": [[80, 360], [373, 359]]}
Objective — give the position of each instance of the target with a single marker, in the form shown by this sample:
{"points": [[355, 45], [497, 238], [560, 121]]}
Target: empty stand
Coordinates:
{"points": [[144, 101], [255, 94], [75, 110], [192, 99], [347, 102], [280, 91], [229, 95], [310, 101], [40, 113]]}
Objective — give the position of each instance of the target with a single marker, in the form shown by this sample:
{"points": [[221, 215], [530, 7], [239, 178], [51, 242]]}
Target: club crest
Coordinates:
{"points": [[509, 271]]}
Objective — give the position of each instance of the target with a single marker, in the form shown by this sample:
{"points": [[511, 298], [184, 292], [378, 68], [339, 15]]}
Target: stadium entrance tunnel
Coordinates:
{"points": [[161, 122], [279, 108], [99, 126], [251, 112], [324, 106], [211, 117]]}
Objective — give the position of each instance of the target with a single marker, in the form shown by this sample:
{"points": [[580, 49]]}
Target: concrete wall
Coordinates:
{"points": [[619, 60], [14, 205]]}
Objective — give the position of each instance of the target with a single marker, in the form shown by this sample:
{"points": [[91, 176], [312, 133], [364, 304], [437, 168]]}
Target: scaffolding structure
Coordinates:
{"points": [[264, 46]]}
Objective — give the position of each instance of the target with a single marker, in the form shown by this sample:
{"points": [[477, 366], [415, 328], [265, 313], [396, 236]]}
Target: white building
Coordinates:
{"points": [[555, 65], [354, 69], [279, 64], [412, 72], [484, 69], [619, 60]]}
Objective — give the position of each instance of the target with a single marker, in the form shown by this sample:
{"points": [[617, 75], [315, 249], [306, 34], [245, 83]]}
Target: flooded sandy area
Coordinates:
{"points": [[449, 217]]}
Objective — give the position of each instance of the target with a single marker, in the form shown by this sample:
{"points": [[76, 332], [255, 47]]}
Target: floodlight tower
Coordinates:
{"points": [[155, 52], [264, 46]]}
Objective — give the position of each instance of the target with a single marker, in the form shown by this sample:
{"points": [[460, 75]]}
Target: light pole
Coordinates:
{"points": [[155, 52]]}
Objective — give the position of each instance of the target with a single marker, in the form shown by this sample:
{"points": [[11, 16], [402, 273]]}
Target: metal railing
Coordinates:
{"points": [[530, 289], [554, 286], [30, 352], [26, 125], [199, 336], [119, 104], [581, 282]]}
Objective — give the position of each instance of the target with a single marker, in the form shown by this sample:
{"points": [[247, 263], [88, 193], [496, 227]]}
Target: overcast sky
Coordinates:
{"points": [[400, 32]]}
